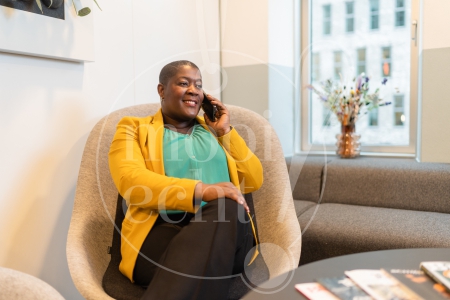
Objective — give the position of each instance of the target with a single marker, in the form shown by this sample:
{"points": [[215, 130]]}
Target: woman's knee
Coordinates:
{"points": [[226, 209]]}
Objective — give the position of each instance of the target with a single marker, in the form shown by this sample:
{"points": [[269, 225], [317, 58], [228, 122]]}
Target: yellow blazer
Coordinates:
{"points": [[137, 169]]}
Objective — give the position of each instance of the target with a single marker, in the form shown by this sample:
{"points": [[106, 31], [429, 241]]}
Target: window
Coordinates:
{"points": [[315, 67], [399, 111], [327, 19], [373, 117], [337, 64], [360, 61], [374, 14], [386, 62], [339, 56], [400, 13], [349, 16]]}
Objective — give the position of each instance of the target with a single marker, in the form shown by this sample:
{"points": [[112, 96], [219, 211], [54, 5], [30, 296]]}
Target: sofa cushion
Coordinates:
{"points": [[337, 229], [305, 174], [388, 182], [301, 206]]}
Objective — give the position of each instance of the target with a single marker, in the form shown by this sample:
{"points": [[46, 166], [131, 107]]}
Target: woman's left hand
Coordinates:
{"points": [[222, 124]]}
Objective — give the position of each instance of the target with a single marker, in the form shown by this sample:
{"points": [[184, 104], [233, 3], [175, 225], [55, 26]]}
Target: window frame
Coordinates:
{"points": [[303, 114]]}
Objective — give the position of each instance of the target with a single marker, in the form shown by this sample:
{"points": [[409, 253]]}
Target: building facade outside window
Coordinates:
{"points": [[341, 56], [374, 14], [326, 19], [400, 13], [349, 17]]}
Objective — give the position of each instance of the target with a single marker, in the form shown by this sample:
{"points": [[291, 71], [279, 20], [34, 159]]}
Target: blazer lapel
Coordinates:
{"points": [[155, 134]]}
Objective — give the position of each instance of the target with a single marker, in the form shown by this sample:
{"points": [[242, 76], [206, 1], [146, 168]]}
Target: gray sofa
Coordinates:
{"points": [[348, 206]]}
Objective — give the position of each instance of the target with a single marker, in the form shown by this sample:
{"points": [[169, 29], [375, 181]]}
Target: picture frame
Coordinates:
{"points": [[26, 33]]}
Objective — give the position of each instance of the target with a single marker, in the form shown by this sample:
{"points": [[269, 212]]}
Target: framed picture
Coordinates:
{"points": [[52, 34]]}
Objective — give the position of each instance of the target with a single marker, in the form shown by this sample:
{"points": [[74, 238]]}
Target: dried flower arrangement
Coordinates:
{"points": [[346, 101]]}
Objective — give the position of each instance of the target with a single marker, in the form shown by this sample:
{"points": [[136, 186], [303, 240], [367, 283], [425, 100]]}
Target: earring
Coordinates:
{"points": [[162, 98]]}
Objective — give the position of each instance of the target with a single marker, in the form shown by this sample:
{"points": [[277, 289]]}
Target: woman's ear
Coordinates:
{"points": [[161, 91]]}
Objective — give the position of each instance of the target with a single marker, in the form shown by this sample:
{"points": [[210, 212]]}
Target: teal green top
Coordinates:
{"points": [[197, 155]]}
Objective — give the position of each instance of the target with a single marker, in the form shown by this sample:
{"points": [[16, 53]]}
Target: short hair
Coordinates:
{"points": [[169, 70]]}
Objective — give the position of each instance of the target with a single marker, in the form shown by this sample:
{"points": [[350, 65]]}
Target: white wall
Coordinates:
{"points": [[244, 53], [165, 31], [244, 37], [434, 98], [435, 24], [48, 108], [258, 58], [282, 85]]}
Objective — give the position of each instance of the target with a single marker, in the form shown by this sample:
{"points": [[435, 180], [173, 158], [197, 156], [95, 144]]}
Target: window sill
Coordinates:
{"points": [[366, 154]]}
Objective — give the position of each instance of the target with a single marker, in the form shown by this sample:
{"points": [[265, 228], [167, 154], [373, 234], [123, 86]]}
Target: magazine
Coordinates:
{"points": [[421, 284], [344, 288], [439, 271], [315, 291], [381, 286]]}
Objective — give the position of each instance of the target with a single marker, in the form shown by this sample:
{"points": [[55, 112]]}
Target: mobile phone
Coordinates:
{"points": [[209, 109]]}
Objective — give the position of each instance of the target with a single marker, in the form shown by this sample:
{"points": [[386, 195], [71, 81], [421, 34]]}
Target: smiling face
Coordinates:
{"points": [[182, 95]]}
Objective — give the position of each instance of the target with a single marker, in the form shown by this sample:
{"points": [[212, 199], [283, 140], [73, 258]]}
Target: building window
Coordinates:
{"points": [[315, 72], [373, 117], [326, 19], [326, 116], [349, 17], [374, 14], [386, 65], [399, 110], [337, 64], [400, 13], [360, 61]]}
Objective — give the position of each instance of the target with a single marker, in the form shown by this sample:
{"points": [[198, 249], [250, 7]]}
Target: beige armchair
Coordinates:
{"points": [[18, 285], [92, 225]]}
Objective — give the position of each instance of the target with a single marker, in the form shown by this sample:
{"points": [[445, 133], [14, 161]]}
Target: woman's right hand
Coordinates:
{"points": [[210, 192]]}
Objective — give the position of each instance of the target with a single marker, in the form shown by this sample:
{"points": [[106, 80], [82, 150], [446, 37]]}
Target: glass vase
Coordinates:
{"points": [[348, 145]]}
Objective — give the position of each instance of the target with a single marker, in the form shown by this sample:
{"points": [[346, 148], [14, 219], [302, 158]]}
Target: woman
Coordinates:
{"points": [[172, 168]]}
